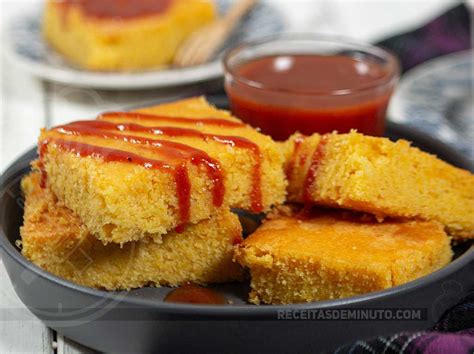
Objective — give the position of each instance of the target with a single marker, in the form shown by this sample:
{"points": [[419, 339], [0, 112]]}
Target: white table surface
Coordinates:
{"points": [[28, 104]]}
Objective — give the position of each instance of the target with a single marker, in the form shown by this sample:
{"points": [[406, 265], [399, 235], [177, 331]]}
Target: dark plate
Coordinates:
{"points": [[139, 320]]}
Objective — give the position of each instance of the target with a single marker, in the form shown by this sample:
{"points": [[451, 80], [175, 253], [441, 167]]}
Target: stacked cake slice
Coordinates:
{"points": [[54, 238], [130, 175], [160, 181]]}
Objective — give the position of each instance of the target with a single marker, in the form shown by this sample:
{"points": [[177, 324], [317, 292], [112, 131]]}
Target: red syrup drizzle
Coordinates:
{"points": [[234, 141], [313, 169], [122, 9], [116, 155], [137, 116], [43, 146], [291, 165], [112, 9], [195, 294], [171, 151], [256, 191], [197, 157], [237, 240]]}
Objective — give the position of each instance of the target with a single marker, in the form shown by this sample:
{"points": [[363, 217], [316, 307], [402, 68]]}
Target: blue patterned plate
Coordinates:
{"points": [[437, 98], [26, 46]]}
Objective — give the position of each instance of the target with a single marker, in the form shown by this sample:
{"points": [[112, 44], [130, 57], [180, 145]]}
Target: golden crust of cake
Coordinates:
{"points": [[332, 255], [141, 42], [381, 177], [54, 239], [121, 201]]}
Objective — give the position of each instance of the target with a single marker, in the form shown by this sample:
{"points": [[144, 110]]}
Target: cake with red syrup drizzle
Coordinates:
{"points": [[140, 174], [380, 177], [117, 35]]}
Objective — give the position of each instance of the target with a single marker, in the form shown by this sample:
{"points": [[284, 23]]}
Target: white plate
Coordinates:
{"points": [[25, 45], [437, 98]]}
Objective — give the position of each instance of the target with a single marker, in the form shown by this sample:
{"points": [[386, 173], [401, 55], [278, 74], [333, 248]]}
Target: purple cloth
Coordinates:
{"points": [[419, 342], [448, 33], [453, 334]]}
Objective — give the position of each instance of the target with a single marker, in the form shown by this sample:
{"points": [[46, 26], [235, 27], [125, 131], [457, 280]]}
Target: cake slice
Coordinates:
{"points": [[122, 34], [130, 175], [54, 238], [330, 255], [381, 177]]}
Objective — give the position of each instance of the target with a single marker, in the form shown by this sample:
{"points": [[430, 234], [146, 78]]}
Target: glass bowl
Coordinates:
{"points": [[310, 83]]}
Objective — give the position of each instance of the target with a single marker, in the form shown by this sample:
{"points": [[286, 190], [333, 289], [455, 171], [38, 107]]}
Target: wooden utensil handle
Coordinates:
{"points": [[237, 11]]}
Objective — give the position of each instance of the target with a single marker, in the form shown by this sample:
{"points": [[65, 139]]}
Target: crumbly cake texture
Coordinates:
{"points": [[120, 202], [54, 239], [130, 44], [381, 177], [334, 255]]}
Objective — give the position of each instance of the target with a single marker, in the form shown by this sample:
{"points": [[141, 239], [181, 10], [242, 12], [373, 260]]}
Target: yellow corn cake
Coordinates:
{"points": [[54, 239], [330, 255], [381, 177], [130, 175], [122, 34]]}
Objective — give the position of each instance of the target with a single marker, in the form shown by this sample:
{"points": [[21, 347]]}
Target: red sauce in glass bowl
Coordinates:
{"points": [[282, 94]]}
